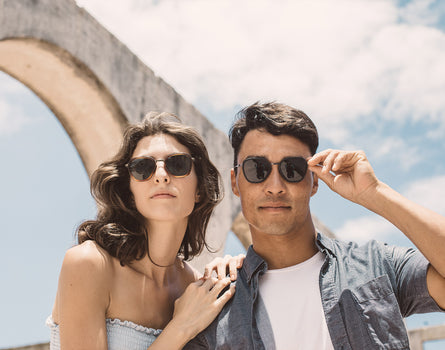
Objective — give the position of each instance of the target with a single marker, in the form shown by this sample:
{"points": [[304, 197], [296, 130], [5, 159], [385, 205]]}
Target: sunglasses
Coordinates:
{"points": [[177, 165], [257, 169]]}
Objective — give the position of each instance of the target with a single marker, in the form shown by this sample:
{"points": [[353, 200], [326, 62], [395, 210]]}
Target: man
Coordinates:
{"points": [[299, 289]]}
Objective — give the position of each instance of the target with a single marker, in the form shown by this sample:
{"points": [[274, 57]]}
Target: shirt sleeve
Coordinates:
{"points": [[198, 343], [410, 268]]}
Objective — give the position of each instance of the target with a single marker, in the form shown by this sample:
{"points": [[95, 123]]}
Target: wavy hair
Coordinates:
{"points": [[119, 228]]}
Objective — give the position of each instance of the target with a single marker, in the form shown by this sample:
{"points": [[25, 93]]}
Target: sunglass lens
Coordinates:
{"points": [[256, 169], [142, 169], [179, 164], [293, 169]]}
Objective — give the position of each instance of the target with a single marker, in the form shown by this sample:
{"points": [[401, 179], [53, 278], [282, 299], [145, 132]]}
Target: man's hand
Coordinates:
{"points": [[346, 172], [350, 175]]}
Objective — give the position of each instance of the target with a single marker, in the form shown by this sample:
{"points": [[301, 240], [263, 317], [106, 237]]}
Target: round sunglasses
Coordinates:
{"points": [[257, 169], [177, 165]]}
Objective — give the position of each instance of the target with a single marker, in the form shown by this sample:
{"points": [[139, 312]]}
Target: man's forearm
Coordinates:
{"points": [[425, 228]]}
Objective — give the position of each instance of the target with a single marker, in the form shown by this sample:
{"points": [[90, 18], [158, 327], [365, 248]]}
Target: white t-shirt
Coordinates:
{"points": [[293, 302]]}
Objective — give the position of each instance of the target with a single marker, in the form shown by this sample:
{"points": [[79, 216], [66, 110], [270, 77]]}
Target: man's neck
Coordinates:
{"points": [[280, 251]]}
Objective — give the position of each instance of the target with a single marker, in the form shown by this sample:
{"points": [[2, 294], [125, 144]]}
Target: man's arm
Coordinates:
{"points": [[350, 175]]}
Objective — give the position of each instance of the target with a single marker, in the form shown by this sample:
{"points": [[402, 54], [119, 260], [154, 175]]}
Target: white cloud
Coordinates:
{"points": [[395, 149], [338, 61], [419, 12], [428, 192], [9, 86], [12, 118], [366, 228], [19, 107]]}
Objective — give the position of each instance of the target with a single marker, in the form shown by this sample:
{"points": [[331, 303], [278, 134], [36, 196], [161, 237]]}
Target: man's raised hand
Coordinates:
{"points": [[346, 172]]}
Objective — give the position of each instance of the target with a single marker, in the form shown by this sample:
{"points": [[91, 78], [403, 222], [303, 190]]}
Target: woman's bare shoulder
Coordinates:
{"points": [[84, 280], [88, 252], [88, 260]]}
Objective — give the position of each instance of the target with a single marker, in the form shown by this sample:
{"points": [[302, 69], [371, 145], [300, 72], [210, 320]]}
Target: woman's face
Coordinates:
{"points": [[164, 197]]}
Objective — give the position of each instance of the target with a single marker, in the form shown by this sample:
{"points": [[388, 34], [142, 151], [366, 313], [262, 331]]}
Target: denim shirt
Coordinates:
{"points": [[366, 292]]}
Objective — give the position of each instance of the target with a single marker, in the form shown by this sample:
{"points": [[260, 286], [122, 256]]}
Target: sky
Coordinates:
{"points": [[371, 74]]}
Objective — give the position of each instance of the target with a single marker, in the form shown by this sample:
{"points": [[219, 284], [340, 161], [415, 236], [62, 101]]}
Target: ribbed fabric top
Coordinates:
{"points": [[120, 335]]}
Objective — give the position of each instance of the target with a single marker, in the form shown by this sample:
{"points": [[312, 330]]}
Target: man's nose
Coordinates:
{"points": [[275, 183]]}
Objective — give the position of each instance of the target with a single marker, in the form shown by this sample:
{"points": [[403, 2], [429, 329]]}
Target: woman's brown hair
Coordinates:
{"points": [[119, 228]]}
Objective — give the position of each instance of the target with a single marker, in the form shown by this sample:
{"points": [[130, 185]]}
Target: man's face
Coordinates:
{"points": [[274, 206]]}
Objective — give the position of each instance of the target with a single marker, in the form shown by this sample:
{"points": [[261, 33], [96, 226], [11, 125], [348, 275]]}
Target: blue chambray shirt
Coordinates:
{"points": [[366, 292]]}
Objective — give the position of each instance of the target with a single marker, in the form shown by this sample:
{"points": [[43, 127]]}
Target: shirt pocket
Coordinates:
{"points": [[371, 312]]}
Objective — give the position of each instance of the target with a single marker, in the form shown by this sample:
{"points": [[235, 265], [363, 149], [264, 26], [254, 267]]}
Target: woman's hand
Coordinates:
{"points": [[222, 266], [195, 310]]}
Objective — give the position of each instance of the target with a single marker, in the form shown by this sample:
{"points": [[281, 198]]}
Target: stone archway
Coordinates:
{"points": [[86, 109], [95, 85]]}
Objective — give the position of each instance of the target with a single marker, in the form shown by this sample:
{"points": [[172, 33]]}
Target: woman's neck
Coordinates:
{"points": [[164, 241]]}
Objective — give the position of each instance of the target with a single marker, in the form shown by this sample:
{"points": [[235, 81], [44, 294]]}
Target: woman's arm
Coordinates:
{"points": [[194, 311], [82, 299]]}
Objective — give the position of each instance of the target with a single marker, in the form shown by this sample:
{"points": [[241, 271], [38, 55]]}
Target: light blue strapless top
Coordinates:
{"points": [[120, 335]]}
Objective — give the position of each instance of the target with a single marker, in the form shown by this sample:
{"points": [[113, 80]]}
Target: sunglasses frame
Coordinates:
{"points": [[271, 164], [127, 165]]}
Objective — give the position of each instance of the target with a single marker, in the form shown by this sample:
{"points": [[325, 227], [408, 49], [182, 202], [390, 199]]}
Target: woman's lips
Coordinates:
{"points": [[162, 195]]}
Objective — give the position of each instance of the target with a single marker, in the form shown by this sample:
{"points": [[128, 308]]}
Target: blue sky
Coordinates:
{"points": [[371, 74]]}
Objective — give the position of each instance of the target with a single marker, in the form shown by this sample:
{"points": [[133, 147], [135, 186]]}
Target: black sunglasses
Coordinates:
{"points": [[257, 169], [177, 165]]}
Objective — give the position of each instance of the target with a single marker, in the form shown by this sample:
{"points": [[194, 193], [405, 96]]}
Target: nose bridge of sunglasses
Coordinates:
{"points": [[276, 171], [161, 164]]}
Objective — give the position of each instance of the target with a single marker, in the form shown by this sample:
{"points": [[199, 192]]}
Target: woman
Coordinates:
{"points": [[123, 283]]}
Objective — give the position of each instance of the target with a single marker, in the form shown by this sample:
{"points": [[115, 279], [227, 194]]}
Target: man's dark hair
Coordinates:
{"points": [[276, 119]]}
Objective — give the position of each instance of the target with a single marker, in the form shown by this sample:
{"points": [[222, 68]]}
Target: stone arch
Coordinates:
{"points": [[86, 109], [95, 85]]}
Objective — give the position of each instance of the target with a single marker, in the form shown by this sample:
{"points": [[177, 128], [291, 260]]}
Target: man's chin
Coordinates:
{"points": [[274, 228]]}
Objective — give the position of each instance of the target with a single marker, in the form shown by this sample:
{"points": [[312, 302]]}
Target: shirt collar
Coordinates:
{"points": [[253, 262], [325, 244]]}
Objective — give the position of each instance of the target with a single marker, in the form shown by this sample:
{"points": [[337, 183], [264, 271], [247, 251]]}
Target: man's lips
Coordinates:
{"points": [[274, 206]]}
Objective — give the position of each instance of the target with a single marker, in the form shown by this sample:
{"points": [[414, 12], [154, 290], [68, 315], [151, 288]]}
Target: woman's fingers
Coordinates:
{"points": [[219, 286], [209, 283], [235, 263], [212, 266], [224, 266], [225, 297]]}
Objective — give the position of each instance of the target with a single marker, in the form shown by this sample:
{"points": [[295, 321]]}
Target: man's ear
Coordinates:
{"points": [[233, 181], [314, 183]]}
